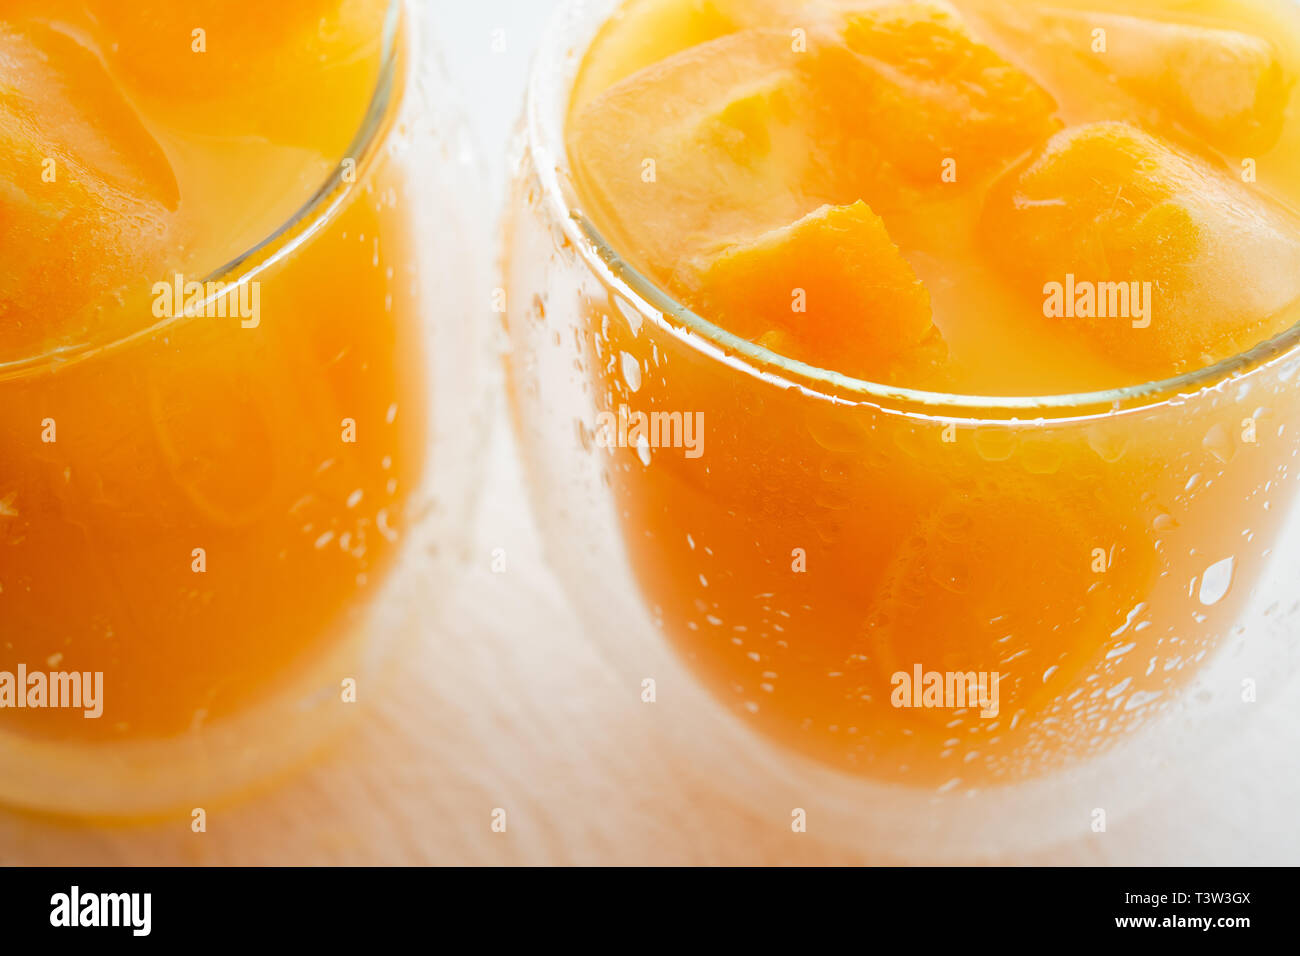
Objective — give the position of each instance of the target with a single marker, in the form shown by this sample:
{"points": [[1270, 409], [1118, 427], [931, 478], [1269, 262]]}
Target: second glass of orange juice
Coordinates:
{"points": [[238, 379]]}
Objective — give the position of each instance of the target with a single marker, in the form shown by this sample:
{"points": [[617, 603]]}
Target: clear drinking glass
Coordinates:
{"points": [[235, 523], [1124, 560]]}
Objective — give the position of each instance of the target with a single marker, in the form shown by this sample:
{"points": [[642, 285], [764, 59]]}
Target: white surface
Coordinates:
{"points": [[488, 49]]}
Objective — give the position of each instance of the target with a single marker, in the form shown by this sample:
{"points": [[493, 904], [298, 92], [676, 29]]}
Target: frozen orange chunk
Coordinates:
{"points": [[1165, 261], [87, 205], [708, 147], [644, 32], [205, 65], [912, 77], [832, 290], [1226, 85]]}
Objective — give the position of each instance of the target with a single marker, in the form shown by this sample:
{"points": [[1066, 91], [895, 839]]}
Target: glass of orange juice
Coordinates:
{"points": [[908, 390], [240, 383]]}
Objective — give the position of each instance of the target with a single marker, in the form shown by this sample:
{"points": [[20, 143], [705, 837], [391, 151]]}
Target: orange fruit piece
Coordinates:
{"points": [[204, 65], [914, 77], [832, 290], [87, 206], [1107, 203], [954, 600]]}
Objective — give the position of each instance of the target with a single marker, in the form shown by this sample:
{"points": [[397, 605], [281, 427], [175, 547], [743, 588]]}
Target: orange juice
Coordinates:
{"points": [[201, 486], [927, 215]]}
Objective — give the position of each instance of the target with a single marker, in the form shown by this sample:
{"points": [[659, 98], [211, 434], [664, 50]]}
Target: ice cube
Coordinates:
{"points": [[705, 148], [296, 72], [88, 196], [1226, 85], [642, 33], [1215, 266]]}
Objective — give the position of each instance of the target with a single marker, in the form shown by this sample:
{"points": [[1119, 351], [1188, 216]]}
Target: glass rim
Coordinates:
{"points": [[564, 43], [278, 244]]}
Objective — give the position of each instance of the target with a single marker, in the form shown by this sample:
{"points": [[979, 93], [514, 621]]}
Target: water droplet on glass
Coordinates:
{"points": [[1113, 692], [1216, 581], [631, 371], [1041, 457], [634, 318], [995, 444], [1219, 443], [1108, 445], [1164, 522], [1128, 620]]}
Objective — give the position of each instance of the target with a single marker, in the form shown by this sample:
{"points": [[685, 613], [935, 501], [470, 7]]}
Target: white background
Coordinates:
{"points": [[491, 83]]}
